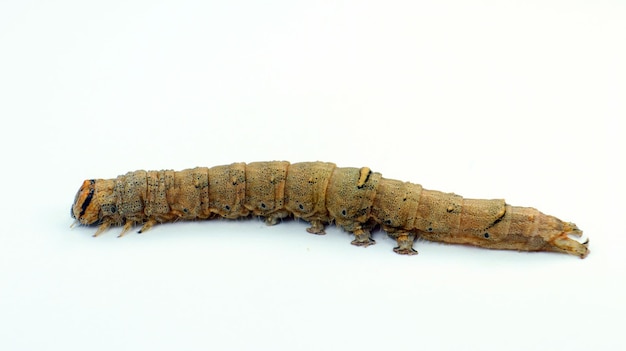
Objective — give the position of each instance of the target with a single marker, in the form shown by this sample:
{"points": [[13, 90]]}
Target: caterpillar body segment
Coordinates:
{"points": [[356, 199]]}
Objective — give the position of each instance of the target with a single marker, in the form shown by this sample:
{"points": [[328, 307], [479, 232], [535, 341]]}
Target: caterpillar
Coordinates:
{"points": [[355, 199]]}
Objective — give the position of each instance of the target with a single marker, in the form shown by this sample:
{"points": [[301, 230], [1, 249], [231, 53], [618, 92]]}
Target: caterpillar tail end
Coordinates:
{"points": [[564, 243]]}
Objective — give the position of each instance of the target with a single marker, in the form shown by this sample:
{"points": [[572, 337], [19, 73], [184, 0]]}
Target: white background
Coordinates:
{"points": [[523, 100]]}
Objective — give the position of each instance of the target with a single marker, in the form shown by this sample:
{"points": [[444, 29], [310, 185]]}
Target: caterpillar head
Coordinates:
{"points": [[87, 207]]}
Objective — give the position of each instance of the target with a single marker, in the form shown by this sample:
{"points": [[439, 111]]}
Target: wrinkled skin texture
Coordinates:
{"points": [[355, 199]]}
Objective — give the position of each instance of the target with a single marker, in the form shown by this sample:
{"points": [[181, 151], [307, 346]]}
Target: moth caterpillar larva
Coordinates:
{"points": [[356, 199]]}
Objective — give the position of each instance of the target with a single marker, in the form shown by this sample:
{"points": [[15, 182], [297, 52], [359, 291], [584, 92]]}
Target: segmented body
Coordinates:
{"points": [[356, 199]]}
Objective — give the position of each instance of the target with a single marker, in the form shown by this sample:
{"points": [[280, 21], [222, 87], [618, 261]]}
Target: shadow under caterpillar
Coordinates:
{"points": [[355, 199]]}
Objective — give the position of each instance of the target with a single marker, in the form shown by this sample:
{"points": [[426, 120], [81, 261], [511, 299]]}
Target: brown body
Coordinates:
{"points": [[356, 199]]}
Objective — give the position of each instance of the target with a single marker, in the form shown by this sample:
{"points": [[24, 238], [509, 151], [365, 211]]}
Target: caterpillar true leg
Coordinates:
{"points": [[126, 229], [149, 224], [102, 228]]}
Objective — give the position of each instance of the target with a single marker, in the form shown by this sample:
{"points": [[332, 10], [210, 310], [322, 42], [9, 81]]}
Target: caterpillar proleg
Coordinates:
{"points": [[355, 199]]}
